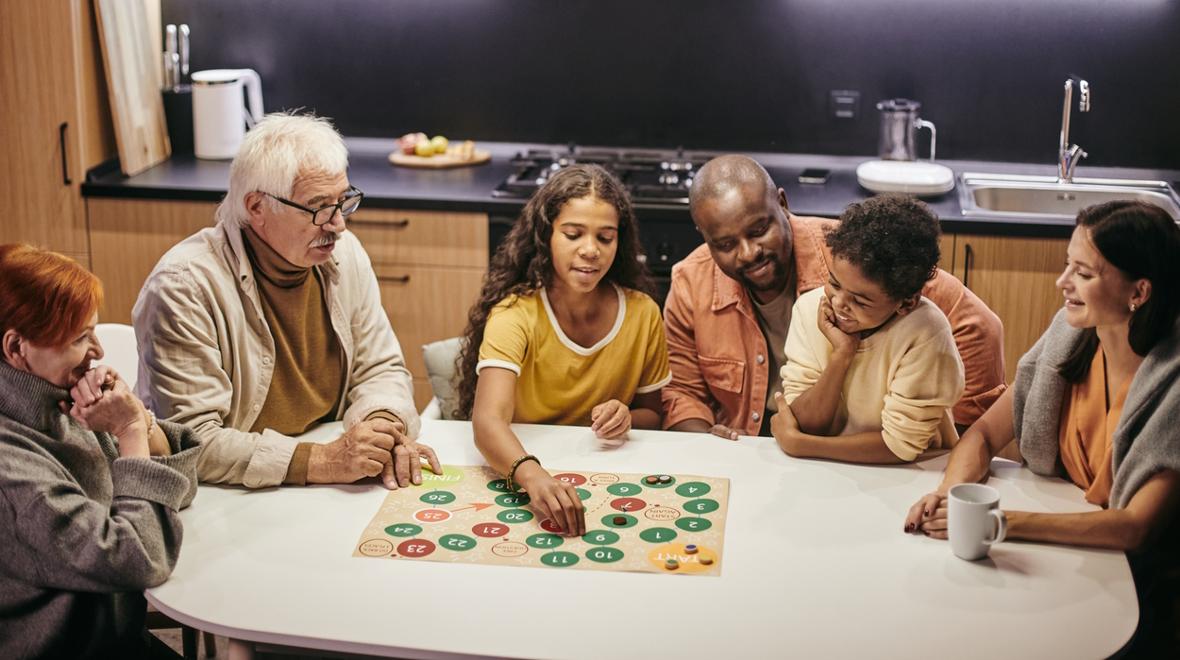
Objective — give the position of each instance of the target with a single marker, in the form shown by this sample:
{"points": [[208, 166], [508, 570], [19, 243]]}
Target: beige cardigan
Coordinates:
{"points": [[207, 354]]}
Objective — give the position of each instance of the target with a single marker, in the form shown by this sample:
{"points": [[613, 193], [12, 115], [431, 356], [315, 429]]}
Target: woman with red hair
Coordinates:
{"points": [[90, 484]]}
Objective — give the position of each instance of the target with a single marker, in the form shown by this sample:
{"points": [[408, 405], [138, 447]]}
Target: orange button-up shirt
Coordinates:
{"points": [[1088, 421], [718, 354]]}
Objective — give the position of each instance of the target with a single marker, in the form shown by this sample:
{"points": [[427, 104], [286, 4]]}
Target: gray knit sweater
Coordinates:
{"points": [[82, 531], [1147, 438]]}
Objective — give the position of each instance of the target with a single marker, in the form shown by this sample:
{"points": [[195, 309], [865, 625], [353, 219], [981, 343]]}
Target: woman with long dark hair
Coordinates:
{"points": [[564, 332], [1095, 400]]}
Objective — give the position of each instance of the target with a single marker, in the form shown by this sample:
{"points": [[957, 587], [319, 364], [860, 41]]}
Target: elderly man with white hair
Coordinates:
{"points": [[270, 322]]}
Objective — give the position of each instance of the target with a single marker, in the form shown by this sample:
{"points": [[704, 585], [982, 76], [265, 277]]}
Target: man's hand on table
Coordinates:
{"points": [[695, 425], [371, 448]]}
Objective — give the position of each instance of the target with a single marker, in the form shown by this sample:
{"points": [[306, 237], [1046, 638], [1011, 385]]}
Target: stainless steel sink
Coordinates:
{"points": [[1044, 197]]}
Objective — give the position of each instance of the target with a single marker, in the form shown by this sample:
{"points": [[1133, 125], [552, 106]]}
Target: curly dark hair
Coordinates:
{"points": [[893, 239], [523, 263]]}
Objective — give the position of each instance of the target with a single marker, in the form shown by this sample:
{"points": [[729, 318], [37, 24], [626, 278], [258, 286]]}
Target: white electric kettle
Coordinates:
{"points": [[220, 116]]}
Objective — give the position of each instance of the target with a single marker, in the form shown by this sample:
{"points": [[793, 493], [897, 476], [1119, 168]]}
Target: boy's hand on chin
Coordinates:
{"points": [[841, 341]]}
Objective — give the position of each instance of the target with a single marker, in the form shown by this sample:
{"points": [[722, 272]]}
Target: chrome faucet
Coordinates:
{"points": [[1068, 155]]}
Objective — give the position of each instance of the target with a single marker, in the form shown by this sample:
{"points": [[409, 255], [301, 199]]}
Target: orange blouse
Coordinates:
{"points": [[1089, 421]]}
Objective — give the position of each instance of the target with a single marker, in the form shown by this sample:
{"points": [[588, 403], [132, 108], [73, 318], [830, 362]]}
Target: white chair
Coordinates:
{"points": [[440, 359], [121, 352]]}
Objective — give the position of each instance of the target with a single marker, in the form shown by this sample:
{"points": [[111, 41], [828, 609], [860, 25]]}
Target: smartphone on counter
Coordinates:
{"points": [[814, 175]]}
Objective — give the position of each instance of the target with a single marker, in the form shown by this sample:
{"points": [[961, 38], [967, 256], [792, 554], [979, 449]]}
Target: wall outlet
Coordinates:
{"points": [[844, 103]]}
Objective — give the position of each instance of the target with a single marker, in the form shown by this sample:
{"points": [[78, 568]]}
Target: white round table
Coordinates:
{"points": [[815, 565]]}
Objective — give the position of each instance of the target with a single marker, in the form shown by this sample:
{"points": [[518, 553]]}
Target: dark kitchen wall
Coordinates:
{"points": [[740, 74]]}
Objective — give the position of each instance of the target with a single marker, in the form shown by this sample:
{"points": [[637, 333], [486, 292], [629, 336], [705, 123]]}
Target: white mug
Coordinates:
{"points": [[974, 520]]}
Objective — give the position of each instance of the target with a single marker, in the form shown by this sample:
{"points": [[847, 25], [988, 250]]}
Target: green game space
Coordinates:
{"points": [[693, 524], [657, 484], [658, 535], [458, 542], [609, 520], [513, 499], [515, 516], [544, 540], [693, 489], [498, 485], [623, 489], [559, 559], [403, 530], [604, 555], [438, 497], [701, 506], [600, 537]]}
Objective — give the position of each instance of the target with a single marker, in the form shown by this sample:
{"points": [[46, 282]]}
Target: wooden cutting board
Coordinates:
{"points": [[136, 104], [440, 161]]}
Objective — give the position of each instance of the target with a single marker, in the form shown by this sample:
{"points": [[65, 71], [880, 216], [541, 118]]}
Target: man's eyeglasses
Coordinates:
{"points": [[323, 215]]}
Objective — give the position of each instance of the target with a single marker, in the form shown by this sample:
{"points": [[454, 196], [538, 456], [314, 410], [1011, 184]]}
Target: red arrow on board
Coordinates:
{"points": [[478, 506]]}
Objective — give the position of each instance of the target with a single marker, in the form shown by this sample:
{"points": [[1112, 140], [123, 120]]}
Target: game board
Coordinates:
{"points": [[634, 523]]}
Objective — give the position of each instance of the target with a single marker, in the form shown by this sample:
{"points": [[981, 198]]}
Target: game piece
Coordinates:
{"points": [[619, 520], [706, 560], [665, 479], [653, 479], [671, 564], [690, 549]]}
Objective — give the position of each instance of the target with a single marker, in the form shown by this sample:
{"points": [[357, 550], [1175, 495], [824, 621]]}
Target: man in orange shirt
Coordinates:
{"points": [[729, 307]]}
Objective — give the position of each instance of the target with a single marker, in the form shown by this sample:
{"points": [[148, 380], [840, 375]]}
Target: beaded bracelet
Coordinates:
{"points": [[151, 420], [512, 487]]}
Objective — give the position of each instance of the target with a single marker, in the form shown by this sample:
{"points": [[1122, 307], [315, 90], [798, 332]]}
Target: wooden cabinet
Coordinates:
{"points": [[430, 266], [54, 121], [128, 237], [1016, 278]]}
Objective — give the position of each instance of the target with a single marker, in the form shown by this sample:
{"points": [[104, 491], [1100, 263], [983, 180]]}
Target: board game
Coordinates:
{"points": [[656, 523]]}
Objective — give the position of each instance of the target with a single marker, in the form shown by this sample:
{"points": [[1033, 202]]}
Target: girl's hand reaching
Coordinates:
{"points": [[610, 420]]}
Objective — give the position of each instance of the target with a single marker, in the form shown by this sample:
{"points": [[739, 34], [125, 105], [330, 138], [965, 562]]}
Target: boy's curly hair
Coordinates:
{"points": [[893, 239]]}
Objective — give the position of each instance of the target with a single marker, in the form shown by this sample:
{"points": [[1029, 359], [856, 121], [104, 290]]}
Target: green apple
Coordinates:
{"points": [[424, 148], [439, 143]]}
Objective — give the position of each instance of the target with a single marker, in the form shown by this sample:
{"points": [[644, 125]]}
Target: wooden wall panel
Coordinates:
{"points": [[129, 236]]}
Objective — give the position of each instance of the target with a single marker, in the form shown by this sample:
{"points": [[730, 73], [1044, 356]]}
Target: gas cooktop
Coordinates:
{"points": [[651, 177]]}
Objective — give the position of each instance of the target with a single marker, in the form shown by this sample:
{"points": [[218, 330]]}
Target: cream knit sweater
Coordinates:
{"points": [[903, 381]]}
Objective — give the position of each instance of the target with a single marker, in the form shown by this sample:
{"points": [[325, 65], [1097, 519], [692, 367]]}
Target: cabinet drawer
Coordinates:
{"points": [[128, 237], [423, 237], [425, 304]]}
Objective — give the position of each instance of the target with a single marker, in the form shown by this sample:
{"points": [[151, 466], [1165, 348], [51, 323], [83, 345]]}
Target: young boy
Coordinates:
{"points": [[871, 367]]}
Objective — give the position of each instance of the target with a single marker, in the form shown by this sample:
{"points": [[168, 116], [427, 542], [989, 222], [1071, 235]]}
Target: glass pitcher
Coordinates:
{"points": [[899, 123]]}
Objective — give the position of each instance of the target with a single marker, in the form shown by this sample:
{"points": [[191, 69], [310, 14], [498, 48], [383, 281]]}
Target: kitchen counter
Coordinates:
{"points": [[469, 188]]}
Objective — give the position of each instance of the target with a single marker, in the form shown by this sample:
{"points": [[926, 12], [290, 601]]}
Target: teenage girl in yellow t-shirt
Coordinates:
{"points": [[563, 333]]}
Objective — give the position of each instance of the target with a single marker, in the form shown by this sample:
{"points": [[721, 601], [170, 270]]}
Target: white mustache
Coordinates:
{"points": [[326, 240]]}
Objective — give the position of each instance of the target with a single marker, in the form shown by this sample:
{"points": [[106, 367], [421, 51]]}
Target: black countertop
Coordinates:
{"points": [[469, 188]]}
